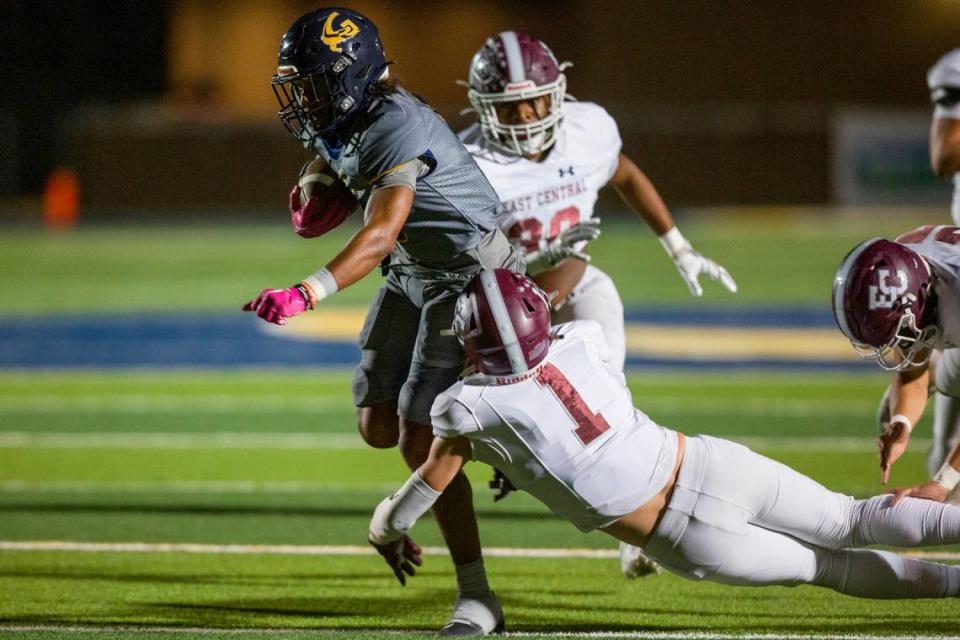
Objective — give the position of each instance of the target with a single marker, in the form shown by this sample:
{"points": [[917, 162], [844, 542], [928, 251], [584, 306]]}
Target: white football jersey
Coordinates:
{"points": [[541, 199], [946, 73], [566, 432], [940, 245]]}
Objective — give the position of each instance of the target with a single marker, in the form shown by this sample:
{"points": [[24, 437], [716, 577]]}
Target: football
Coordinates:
{"points": [[332, 201], [320, 181]]}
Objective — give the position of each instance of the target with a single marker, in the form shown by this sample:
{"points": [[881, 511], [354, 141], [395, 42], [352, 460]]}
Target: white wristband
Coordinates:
{"points": [[902, 419], [673, 242], [947, 476], [322, 284]]}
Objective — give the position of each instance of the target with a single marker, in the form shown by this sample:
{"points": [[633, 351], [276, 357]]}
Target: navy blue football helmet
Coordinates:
{"points": [[329, 61]]}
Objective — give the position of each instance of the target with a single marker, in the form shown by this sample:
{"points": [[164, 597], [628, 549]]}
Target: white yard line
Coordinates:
{"points": [[307, 440], [332, 550], [274, 631], [164, 403], [191, 487], [185, 403], [171, 440]]}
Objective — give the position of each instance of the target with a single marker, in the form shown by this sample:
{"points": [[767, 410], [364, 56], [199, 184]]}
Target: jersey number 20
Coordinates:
{"points": [[589, 425], [529, 231]]}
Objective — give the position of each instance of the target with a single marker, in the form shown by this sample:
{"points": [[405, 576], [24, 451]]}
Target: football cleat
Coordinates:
{"points": [[634, 564], [474, 616]]}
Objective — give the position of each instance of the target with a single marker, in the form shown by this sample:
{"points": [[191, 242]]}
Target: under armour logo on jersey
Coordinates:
{"points": [[883, 295], [566, 172]]}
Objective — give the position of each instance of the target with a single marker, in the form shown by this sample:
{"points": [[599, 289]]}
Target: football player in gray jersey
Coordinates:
{"points": [[429, 223]]}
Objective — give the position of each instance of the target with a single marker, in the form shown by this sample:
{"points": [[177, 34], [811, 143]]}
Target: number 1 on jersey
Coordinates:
{"points": [[589, 425]]}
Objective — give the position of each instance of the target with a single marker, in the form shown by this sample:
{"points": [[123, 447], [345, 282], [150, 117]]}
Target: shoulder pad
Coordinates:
{"points": [[398, 134], [450, 416]]}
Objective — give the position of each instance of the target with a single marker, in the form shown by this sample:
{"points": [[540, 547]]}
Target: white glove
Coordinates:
{"points": [[691, 264], [564, 245]]}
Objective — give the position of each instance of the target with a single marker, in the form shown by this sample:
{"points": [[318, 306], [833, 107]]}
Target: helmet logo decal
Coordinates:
{"points": [[333, 37], [884, 296]]}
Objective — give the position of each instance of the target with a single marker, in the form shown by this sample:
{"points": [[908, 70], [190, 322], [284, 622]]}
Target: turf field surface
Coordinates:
{"points": [[236, 500]]}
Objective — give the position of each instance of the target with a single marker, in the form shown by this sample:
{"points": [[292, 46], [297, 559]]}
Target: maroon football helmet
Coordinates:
{"points": [[882, 303], [512, 67], [503, 321]]}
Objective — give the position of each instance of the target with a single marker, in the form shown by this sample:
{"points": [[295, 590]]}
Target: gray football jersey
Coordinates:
{"points": [[454, 206]]}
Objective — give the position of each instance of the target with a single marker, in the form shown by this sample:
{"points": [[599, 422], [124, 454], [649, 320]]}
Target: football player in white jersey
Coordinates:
{"points": [[547, 156], [548, 408], [943, 79], [899, 304]]}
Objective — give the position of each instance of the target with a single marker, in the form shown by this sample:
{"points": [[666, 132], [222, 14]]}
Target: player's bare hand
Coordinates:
{"points": [[501, 484], [401, 555], [929, 490], [891, 444]]}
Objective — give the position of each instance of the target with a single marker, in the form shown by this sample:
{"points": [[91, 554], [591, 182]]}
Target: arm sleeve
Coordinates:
{"points": [[398, 136], [398, 513], [451, 417]]}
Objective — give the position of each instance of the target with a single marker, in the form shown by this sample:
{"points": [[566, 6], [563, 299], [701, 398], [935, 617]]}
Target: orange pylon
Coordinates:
{"points": [[61, 199]]}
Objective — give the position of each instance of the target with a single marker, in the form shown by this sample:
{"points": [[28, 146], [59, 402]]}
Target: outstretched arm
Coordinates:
{"points": [[387, 211], [908, 399], [397, 514], [641, 196]]}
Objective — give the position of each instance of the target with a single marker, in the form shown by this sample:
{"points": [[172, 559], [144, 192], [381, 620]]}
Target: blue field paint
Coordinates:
{"points": [[239, 340], [758, 316], [139, 340]]}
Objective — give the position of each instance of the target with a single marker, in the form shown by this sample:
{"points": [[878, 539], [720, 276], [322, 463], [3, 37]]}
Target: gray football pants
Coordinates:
{"points": [[740, 518]]}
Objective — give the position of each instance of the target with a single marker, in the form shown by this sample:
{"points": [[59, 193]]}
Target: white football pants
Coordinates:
{"points": [[740, 518], [595, 298]]}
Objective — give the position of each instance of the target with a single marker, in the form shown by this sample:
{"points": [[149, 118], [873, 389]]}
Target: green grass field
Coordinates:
{"points": [[262, 473]]}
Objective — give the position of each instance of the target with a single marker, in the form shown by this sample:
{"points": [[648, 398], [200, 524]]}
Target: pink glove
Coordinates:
{"points": [[276, 305], [315, 218]]}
